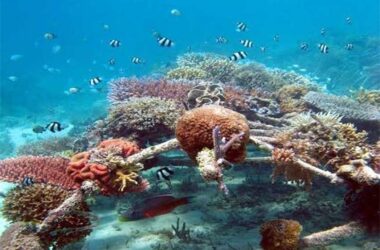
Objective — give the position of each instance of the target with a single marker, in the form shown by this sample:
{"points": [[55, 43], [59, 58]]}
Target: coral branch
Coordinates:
{"points": [[334, 234], [153, 150], [264, 159], [261, 144], [332, 177]]}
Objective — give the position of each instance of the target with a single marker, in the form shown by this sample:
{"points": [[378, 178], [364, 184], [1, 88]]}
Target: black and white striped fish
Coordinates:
{"points": [[349, 46], [112, 61], [238, 56], [115, 43], [27, 181], [276, 38], [221, 40], [54, 127], [323, 48], [304, 46], [241, 27], [164, 174], [164, 41], [247, 43], [95, 81], [137, 60], [263, 49], [348, 20]]}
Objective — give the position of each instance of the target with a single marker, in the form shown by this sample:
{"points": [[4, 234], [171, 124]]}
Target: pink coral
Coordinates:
{"points": [[124, 88], [41, 169]]}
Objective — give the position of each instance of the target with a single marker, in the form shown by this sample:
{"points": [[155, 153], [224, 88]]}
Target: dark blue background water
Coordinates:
{"points": [[85, 51]]}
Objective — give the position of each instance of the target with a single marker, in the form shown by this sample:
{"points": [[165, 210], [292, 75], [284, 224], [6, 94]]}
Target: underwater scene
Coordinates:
{"points": [[189, 124]]}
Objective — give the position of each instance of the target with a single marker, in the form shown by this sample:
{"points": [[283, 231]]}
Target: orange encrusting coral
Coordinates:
{"points": [[127, 147]]}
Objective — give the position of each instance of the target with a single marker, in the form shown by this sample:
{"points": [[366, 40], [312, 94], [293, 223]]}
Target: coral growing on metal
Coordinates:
{"points": [[41, 169], [214, 136], [33, 203], [122, 89], [105, 166], [144, 117], [280, 235]]}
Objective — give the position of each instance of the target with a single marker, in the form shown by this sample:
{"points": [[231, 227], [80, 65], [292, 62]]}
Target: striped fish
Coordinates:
{"points": [[263, 49], [27, 181], [165, 42], [238, 56], [112, 61], [241, 27], [115, 43], [323, 48], [221, 40], [164, 174], [247, 43], [137, 60], [95, 81], [54, 127], [276, 38]]}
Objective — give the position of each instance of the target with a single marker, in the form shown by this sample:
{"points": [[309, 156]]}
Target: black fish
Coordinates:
{"points": [[112, 61], [304, 46], [38, 129], [54, 127]]}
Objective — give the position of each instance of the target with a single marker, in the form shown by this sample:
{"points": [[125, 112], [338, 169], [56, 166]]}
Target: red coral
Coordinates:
{"points": [[81, 168], [128, 148], [40, 168]]}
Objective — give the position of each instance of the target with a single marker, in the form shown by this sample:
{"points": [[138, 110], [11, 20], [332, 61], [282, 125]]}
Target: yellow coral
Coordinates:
{"points": [[280, 235], [186, 72], [126, 180]]}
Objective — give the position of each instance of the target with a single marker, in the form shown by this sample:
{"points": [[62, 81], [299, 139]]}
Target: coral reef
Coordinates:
{"points": [[41, 169], [368, 97], [280, 234], [144, 117], [194, 130], [343, 106], [33, 203], [122, 89], [49, 147]]}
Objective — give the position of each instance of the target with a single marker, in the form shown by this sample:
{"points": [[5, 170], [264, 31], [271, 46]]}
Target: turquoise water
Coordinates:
{"points": [[36, 74]]}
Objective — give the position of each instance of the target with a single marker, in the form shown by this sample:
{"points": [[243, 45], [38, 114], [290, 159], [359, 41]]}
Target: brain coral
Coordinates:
{"points": [[194, 130], [33, 203], [144, 117]]}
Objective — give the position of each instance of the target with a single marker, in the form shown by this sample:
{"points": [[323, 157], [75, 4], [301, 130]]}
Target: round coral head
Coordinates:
{"points": [[128, 148], [194, 130]]}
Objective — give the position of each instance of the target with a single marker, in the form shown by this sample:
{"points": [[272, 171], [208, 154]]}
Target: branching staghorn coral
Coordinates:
{"points": [[49, 147], [289, 97], [186, 72], [368, 96]]}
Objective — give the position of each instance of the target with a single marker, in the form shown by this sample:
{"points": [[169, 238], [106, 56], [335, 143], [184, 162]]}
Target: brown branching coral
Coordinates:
{"points": [[280, 235], [368, 96], [289, 97], [186, 72], [49, 147], [33, 203], [19, 236]]}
